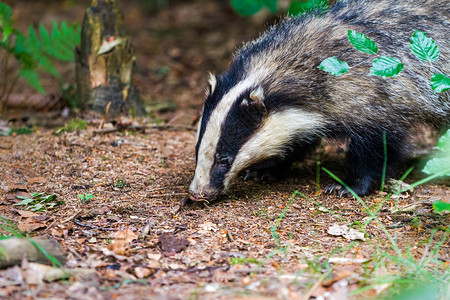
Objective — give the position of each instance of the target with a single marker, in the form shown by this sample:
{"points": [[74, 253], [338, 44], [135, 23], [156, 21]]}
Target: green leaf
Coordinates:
{"points": [[25, 201], [440, 83], [333, 66], [32, 78], [251, 7], [37, 207], [298, 8], [6, 24], [45, 37], [36, 195], [385, 66], [48, 198], [362, 43], [444, 143], [441, 207], [424, 47], [441, 162]]}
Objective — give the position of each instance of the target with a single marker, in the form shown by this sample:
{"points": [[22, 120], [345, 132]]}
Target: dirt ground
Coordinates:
{"points": [[134, 239]]}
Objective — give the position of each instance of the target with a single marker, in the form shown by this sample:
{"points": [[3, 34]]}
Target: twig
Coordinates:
{"points": [[166, 195], [315, 286], [72, 217], [92, 226], [105, 115], [49, 226]]}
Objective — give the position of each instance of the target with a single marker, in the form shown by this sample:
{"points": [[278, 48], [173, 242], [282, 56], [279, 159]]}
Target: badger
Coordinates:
{"points": [[274, 105]]}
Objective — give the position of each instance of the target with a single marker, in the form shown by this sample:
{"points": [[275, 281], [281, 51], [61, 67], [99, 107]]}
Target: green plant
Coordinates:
{"points": [[20, 130], [440, 166], [39, 202], [242, 261], [34, 51], [251, 7], [72, 125], [297, 8], [423, 47], [85, 198]]}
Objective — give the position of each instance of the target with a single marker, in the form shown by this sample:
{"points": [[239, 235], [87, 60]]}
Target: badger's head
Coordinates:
{"points": [[240, 127]]}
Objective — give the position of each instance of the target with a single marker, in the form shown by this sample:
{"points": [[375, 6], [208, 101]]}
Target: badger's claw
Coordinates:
{"points": [[336, 188]]}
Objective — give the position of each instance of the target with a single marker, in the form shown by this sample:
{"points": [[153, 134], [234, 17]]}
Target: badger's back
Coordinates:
{"points": [[286, 57]]}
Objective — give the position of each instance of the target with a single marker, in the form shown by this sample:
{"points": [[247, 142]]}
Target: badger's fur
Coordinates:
{"points": [[274, 104]]}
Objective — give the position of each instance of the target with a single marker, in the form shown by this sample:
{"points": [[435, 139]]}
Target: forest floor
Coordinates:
{"points": [[119, 212]]}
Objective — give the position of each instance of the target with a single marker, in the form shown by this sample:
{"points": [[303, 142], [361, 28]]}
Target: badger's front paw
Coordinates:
{"points": [[361, 189], [338, 189]]}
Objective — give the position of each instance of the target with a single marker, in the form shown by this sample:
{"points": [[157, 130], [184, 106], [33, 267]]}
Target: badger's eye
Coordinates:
{"points": [[223, 161]]}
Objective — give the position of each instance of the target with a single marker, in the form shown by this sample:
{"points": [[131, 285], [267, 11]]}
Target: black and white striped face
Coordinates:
{"points": [[230, 117], [238, 130]]}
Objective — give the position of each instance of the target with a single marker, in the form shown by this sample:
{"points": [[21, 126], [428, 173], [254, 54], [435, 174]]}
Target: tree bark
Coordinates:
{"points": [[105, 63]]}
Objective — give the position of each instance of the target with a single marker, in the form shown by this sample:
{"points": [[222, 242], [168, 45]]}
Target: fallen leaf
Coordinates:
{"points": [[36, 180], [17, 187], [26, 213], [29, 225], [143, 272], [170, 244], [123, 238], [348, 233], [341, 275], [103, 210], [208, 226]]}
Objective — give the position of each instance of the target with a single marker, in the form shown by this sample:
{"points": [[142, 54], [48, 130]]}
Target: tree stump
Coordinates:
{"points": [[105, 63]]}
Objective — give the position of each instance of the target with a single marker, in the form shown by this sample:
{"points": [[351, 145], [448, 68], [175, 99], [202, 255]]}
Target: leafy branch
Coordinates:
{"points": [[34, 51], [422, 47]]}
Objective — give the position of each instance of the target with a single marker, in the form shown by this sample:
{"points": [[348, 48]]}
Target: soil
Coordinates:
{"points": [[121, 212]]}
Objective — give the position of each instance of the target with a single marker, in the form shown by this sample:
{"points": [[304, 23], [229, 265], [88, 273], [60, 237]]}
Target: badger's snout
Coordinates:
{"points": [[201, 193]]}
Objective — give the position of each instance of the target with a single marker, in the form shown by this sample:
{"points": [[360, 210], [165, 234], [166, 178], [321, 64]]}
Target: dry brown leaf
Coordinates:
{"points": [[36, 180], [26, 213], [29, 225], [143, 272], [123, 238]]}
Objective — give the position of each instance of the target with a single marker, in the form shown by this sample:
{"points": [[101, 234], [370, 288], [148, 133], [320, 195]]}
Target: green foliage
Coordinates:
{"points": [[440, 83], [20, 130], [441, 207], [39, 202], [72, 125], [85, 198], [362, 43], [5, 21], [386, 66], [251, 7], [334, 66], [297, 8], [243, 261], [423, 47], [36, 51], [440, 164]]}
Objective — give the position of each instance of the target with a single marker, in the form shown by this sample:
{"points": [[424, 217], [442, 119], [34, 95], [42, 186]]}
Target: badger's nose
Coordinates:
{"points": [[202, 196], [194, 196]]}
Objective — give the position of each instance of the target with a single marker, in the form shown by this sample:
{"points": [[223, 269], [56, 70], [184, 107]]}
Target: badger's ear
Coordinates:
{"points": [[257, 95], [256, 100], [212, 82]]}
